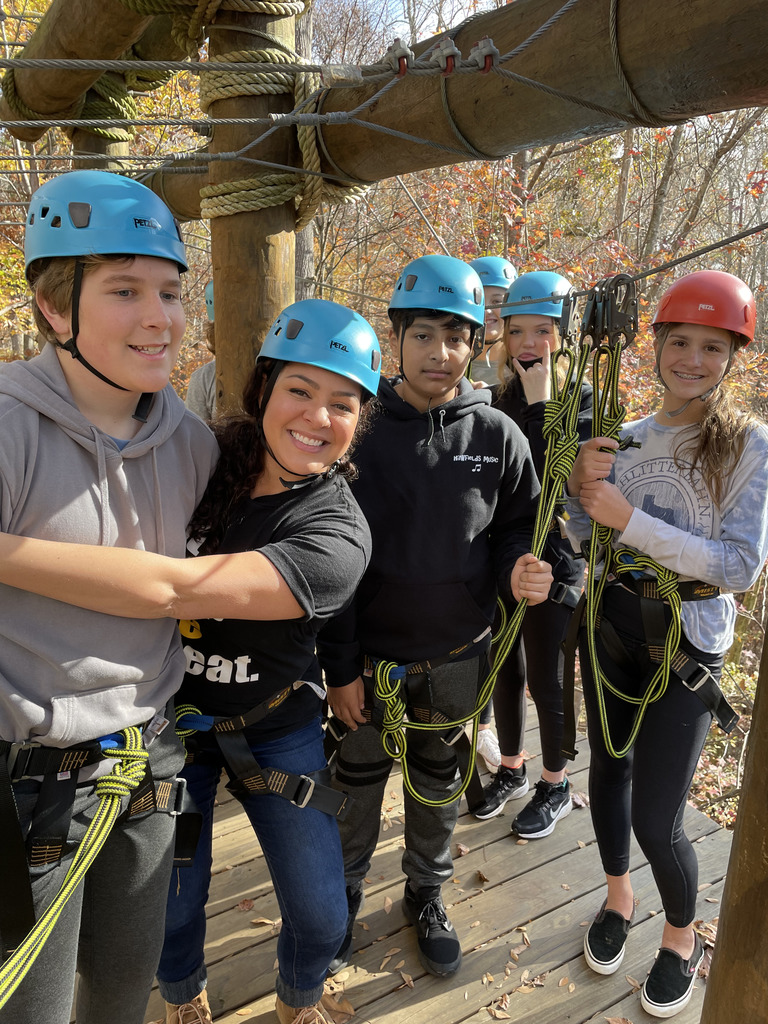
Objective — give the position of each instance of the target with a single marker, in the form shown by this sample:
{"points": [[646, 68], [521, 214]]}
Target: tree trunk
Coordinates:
{"points": [[737, 988]]}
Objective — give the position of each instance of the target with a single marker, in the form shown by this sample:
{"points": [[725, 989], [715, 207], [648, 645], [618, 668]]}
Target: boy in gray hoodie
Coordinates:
{"points": [[97, 449]]}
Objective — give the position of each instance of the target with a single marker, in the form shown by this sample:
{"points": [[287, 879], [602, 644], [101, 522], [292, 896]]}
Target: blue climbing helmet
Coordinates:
{"points": [[541, 293], [442, 283], [494, 271], [84, 213], [328, 335], [209, 300]]}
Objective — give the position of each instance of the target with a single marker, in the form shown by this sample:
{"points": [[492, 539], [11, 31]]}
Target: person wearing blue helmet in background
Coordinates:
{"points": [[201, 387], [449, 491], [282, 546], [97, 449], [531, 315], [496, 274]]}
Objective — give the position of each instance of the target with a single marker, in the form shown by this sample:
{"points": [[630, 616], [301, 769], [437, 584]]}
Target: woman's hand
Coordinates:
{"points": [[605, 503], [347, 702], [591, 464], [536, 380], [531, 579]]}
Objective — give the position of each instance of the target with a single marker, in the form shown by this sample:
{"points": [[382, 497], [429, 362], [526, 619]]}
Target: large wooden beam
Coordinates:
{"points": [[85, 29], [682, 58]]}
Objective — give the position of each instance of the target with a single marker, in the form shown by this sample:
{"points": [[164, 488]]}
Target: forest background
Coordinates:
{"points": [[626, 203]]}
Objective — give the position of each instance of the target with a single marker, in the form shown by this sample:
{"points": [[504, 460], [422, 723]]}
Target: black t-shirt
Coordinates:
{"points": [[319, 542]]}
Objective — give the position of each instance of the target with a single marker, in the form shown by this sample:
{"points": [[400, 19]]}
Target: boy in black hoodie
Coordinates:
{"points": [[449, 490]]}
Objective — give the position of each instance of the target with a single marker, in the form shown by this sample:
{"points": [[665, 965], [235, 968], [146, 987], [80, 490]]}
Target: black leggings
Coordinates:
{"points": [[538, 658], [648, 788]]}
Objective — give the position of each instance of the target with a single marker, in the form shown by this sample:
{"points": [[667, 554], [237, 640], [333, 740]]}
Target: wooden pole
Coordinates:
{"points": [[253, 252], [737, 987], [92, 29]]}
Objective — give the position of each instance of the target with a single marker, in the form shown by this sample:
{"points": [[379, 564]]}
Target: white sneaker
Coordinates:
{"points": [[488, 748]]}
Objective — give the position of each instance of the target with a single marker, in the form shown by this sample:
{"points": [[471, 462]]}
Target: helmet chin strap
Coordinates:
{"points": [[142, 408]]}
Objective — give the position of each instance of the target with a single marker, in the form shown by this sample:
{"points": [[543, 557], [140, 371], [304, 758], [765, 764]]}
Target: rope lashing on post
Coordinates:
{"points": [[126, 776]]}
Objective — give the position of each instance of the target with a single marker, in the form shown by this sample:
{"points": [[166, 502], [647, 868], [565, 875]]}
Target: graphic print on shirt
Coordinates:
{"points": [[657, 487], [215, 667]]}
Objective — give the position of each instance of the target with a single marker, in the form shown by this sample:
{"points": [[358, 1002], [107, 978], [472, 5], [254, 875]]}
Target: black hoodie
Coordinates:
{"points": [[450, 496]]}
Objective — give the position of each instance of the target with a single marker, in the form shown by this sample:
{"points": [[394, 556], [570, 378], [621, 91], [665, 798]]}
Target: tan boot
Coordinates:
{"points": [[299, 1014], [195, 1012]]}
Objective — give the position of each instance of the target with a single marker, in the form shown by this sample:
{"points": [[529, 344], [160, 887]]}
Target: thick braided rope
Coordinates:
{"points": [[109, 98], [14, 101], [127, 774]]}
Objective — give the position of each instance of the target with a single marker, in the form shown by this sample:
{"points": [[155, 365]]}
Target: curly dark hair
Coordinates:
{"points": [[242, 459]]}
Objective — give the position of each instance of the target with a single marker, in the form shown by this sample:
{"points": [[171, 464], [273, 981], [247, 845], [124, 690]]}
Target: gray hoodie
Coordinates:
{"points": [[68, 675]]}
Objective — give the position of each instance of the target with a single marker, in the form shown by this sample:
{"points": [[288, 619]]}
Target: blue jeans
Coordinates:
{"points": [[303, 853]]}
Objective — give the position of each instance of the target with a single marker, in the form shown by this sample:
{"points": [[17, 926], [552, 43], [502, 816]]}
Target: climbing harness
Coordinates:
{"points": [[249, 778], [22, 938]]}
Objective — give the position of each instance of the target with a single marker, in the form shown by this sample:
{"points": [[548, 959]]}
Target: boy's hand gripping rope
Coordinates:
{"points": [[126, 775]]}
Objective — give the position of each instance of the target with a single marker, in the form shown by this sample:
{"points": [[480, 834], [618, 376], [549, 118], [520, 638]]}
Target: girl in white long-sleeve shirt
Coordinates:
{"points": [[693, 496]]}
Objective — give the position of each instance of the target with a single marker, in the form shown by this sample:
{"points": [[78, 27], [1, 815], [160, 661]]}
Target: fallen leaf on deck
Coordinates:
{"points": [[407, 979], [245, 1012], [364, 925], [245, 905], [580, 844], [711, 899], [482, 879], [399, 965], [339, 1010], [521, 842], [384, 963], [497, 1013], [488, 978], [572, 987], [516, 950], [474, 924], [387, 904], [562, 983], [393, 950], [525, 989], [259, 922], [525, 975], [617, 1020], [703, 886], [579, 799], [564, 885], [634, 984], [462, 849]]}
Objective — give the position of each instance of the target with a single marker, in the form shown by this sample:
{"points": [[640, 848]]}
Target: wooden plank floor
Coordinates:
{"points": [[533, 898]]}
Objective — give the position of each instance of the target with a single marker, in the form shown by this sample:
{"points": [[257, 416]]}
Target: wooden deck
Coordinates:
{"points": [[533, 898]]}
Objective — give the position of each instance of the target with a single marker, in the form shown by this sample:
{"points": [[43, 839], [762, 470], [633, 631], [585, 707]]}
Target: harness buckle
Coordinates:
{"points": [[453, 736], [304, 792], [18, 760], [336, 728], [699, 679], [181, 793]]}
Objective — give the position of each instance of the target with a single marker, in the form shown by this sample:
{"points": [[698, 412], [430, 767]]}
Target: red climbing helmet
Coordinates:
{"points": [[712, 298]]}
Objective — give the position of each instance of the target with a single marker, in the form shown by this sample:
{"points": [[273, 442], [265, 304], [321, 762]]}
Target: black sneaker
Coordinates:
{"points": [[605, 941], [439, 946], [551, 802], [506, 784], [669, 986], [355, 900]]}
